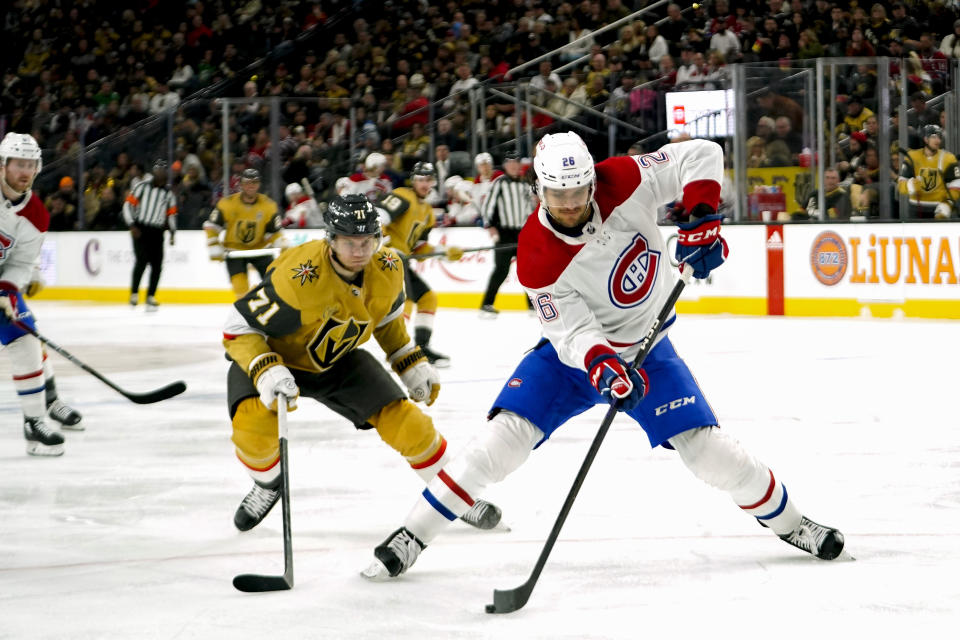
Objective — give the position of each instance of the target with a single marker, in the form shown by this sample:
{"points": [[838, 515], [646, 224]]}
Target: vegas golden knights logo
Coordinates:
{"points": [[246, 231], [930, 178], [335, 338]]}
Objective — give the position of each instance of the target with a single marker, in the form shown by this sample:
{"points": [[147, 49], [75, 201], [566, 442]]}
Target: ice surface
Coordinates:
{"points": [[130, 534]]}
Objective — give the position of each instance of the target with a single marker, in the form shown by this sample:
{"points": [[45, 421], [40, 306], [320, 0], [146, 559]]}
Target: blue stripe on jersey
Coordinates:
{"points": [[779, 510], [436, 504], [30, 391]]}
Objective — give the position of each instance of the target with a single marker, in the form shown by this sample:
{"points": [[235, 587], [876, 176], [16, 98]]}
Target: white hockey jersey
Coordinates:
{"points": [[302, 214], [22, 226], [604, 288], [373, 188]]}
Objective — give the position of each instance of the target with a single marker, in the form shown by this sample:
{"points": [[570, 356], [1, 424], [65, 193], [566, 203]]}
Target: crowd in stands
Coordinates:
{"points": [[79, 72]]}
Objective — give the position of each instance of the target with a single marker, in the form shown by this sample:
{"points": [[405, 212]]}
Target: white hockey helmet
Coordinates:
{"points": [[563, 162], [343, 185], [292, 191], [20, 145], [375, 162], [483, 158]]}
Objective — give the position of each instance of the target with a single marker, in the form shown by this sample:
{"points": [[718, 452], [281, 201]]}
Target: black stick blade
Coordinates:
{"points": [[158, 395], [510, 600], [253, 583]]}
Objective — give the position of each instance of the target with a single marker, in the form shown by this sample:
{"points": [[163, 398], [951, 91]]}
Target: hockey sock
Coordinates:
{"points": [[26, 365], [49, 382], [255, 438], [722, 462], [501, 447], [410, 432]]}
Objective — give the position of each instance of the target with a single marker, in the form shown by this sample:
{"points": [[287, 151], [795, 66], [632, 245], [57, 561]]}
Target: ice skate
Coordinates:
{"points": [[134, 298], [436, 359], [397, 554], [482, 515], [824, 542], [41, 439], [152, 303], [66, 416], [488, 312], [255, 506]]}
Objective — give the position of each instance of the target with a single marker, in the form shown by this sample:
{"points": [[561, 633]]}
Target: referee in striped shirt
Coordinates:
{"points": [[504, 212], [149, 209]]}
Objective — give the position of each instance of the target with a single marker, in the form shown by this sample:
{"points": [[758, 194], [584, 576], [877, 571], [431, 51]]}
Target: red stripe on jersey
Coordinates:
{"points": [[230, 336], [701, 192], [433, 459], [36, 213], [617, 179], [457, 489], [27, 376], [773, 484], [541, 256]]}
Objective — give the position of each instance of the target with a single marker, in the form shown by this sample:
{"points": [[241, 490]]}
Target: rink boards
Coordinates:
{"points": [[877, 270]]}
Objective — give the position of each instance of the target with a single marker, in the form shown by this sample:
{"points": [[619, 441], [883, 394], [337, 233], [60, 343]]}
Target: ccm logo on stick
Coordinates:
{"points": [[675, 404]]}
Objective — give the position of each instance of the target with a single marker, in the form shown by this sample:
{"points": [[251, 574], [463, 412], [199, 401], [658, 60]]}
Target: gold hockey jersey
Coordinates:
{"points": [[932, 176], [246, 226], [305, 312], [410, 220]]}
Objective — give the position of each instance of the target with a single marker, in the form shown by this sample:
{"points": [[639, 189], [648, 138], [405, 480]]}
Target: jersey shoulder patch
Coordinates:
{"points": [[617, 179], [542, 256], [36, 213], [395, 204]]}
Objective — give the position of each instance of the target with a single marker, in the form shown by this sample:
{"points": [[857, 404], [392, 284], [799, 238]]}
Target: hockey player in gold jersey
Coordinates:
{"points": [[930, 176], [244, 221], [410, 221], [298, 332]]}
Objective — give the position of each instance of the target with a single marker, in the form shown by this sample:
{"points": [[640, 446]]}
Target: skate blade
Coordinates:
{"points": [[844, 557], [38, 449], [376, 572], [72, 427]]}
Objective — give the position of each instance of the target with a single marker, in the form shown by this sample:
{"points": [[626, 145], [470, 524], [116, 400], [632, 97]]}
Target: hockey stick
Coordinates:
{"points": [[252, 253], [255, 583], [509, 600], [163, 393], [440, 254]]}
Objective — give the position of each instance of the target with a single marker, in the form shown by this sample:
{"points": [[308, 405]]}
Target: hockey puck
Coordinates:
{"points": [[490, 608]]}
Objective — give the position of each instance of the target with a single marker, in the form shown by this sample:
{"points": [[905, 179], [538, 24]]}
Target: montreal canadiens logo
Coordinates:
{"points": [[828, 258], [634, 273]]}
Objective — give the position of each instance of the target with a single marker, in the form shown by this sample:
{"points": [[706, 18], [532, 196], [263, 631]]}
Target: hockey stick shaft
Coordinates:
{"points": [[251, 253], [440, 254], [149, 397], [254, 583], [509, 600]]}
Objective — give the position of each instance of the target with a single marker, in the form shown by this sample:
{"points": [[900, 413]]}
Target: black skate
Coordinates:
{"points": [[66, 416], [41, 439], [436, 359], [824, 542], [152, 303], [488, 311], [255, 506], [482, 515], [397, 554]]}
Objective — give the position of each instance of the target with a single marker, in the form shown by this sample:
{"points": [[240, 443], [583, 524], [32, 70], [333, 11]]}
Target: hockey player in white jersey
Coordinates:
{"points": [[372, 181], [593, 261], [302, 210], [23, 221]]}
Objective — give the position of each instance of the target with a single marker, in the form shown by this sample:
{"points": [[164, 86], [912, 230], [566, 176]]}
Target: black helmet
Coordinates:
{"points": [[250, 175], [511, 155], [351, 215], [931, 130], [424, 169], [159, 164]]}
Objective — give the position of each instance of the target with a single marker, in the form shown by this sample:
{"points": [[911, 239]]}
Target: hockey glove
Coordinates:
{"points": [[454, 253], [34, 287], [616, 380], [8, 300], [417, 374], [271, 378], [699, 244]]}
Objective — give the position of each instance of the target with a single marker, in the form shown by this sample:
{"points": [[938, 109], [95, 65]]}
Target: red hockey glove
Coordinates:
{"points": [[699, 244], [616, 380]]}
